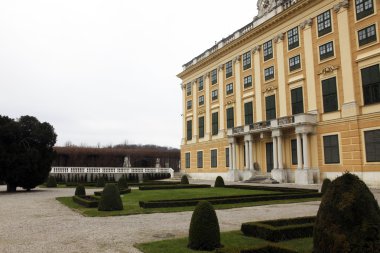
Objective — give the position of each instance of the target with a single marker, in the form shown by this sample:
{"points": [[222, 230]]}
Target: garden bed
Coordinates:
{"points": [[122, 191], [86, 201], [172, 187], [280, 230]]}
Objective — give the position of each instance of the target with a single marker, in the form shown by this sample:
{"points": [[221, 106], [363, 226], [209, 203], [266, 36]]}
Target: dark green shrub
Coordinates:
{"points": [[110, 199], [348, 218], [184, 180], [325, 185], [86, 201], [219, 182], [204, 233], [101, 182], [80, 190], [122, 183], [51, 183]]}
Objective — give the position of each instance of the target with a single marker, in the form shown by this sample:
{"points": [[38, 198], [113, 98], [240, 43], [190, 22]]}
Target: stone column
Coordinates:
{"points": [[306, 151], [230, 156], [247, 161], [234, 156], [183, 87], [251, 162], [238, 96], [195, 109], [275, 164], [309, 64], [299, 152], [221, 101], [257, 76], [350, 107], [279, 142], [206, 79], [282, 86]]}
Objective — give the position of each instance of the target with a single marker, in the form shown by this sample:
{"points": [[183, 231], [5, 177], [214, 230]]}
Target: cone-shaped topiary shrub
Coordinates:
{"points": [[184, 180], [51, 182], [219, 182], [348, 218], [110, 199], [325, 185], [204, 233], [122, 183], [100, 182], [80, 190]]}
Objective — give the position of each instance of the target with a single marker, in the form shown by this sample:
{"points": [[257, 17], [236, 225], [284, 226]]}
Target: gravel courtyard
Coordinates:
{"points": [[35, 222]]}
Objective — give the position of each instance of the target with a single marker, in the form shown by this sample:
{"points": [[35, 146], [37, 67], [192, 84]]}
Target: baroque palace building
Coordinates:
{"points": [[295, 93]]}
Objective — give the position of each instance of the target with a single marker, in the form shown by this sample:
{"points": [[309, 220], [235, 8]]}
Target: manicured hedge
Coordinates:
{"points": [[86, 201], [280, 230], [270, 188], [75, 184], [122, 191], [262, 249], [225, 200], [171, 187], [155, 183]]}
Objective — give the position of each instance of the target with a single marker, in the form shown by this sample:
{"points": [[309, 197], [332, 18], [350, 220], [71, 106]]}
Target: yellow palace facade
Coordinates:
{"points": [[295, 94]]}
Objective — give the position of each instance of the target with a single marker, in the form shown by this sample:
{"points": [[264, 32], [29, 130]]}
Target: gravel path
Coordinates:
{"points": [[36, 222]]}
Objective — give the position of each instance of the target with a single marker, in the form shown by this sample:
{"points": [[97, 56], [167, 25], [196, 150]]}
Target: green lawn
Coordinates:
{"points": [[131, 201], [234, 239]]}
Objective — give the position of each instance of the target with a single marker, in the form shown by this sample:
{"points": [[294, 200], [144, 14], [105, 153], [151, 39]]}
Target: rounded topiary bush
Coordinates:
{"points": [[110, 199], [325, 185], [219, 182], [184, 179], [204, 233], [122, 183], [51, 182], [80, 190], [348, 218], [100, 182]]}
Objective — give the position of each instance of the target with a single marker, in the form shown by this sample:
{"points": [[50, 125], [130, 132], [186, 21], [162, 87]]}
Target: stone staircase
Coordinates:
{"points": [[261, 179]]}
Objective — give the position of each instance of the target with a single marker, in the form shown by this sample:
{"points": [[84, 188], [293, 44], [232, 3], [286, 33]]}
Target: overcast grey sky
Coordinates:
{"points": [[105, 71]]}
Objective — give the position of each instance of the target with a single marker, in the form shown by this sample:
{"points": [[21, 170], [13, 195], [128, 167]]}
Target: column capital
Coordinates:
{"points": [[207, 75], [231, 140], [279, 38], [248, 137], [343, 5], [221, 67], [256, 49], [306, 24], [237, 59], [276, 133], [183, 86]]}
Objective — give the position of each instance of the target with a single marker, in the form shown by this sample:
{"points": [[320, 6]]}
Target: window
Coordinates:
{"points": [[247, 60], [201, 127], [269, 73], [189, 130], [228, 69], [229, 88], [270, 105], [230, 117], [367, 35], [326, 50], [201, 100], [200, 83], [227, 157], [247, 81], [330, 96], [188, 89], [268, 50], [214, 78], [200, 159], [189, 104], [187, 158], [297, 101], [214, 95], [324, 23], [215, 124], [364, 8], [293, 38], [214, 158], [371, 84], [331, 149], [294, 151], [248, 113], [372, 145], [294, 63]]}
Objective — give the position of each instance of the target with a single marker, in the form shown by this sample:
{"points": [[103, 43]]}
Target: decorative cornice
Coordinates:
{"points": [[307, 23], [269, 89], [207, 75], [328, 69], [230, 102], [279, 37], [343, 4], [237, 59], [256, 49], [201, 111]]}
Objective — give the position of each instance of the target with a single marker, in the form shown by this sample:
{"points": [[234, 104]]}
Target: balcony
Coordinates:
{"points": [[269, 125]]}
